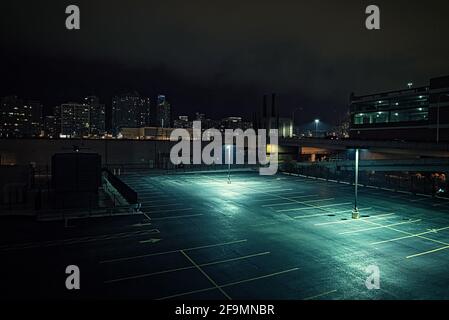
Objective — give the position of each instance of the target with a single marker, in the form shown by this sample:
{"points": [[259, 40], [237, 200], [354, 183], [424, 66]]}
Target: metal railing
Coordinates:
{"points": [[125, 191]]}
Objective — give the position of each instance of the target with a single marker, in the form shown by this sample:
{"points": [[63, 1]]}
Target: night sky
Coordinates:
{"points": [[220, 57]]}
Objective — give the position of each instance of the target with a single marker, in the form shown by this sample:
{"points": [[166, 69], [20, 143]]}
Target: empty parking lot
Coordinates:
{"points": [[260, 237]]}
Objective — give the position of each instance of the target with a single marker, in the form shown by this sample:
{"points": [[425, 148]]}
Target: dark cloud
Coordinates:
{"points": [[220, 56]]}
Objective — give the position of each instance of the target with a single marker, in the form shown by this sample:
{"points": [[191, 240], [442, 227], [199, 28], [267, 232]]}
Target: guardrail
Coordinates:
{"points": [[125, 191]]}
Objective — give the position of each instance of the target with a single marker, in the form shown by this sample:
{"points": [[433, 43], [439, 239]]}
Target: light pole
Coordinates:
{"points": [[229, 163], [316, 127], [355, 212]]}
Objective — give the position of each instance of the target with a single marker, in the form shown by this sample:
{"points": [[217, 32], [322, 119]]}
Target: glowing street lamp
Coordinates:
{"points": [[316, 127]]}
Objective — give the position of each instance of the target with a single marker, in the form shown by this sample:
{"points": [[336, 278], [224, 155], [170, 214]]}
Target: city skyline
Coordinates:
{"points": [[229, 67]]}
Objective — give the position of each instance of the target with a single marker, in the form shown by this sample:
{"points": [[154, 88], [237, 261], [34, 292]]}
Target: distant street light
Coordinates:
{"points": [[229, 163], [316, 127]]}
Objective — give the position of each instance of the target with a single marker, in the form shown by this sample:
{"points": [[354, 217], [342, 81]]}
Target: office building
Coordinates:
{"points": [[130, 110], [75, 120], [163, 112], [20, 119], [412, 114], [52, 127], [97, 116]]}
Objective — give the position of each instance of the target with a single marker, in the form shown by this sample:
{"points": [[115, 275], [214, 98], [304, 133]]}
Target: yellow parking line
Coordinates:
{"points": [[427, 252], [410, 236], [408, 233]]}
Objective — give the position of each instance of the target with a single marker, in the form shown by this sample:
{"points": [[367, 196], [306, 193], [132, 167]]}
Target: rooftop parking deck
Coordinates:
{"points": [[260, 237]]}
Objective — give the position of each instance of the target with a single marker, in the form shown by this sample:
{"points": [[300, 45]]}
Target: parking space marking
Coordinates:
{"points": [[399, 196], [321, 214], [150, 193], [320, 295], [140, 224], [206, 275], [327, 213], [260, 277], [416, 200], [178, 217], [163, 205], [78, 240], [427, 252], [315, 207], [145, 275], [171, 251], [376, 217], [276, 189], [156, 200], [265, 199], [287, 203], [169, 210], [230, 284], [380, 227], [440, 204], [408, 233], [146, 216], [410, 236]]}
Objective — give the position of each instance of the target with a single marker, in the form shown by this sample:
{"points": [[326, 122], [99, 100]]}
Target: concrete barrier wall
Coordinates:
{"points": [[40, 151]]}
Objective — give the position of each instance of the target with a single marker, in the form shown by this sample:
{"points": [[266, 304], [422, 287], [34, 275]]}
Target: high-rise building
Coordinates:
{"points": [[130, 111], [75, 120], [20, 119], [163, 112], [97, 116], [52, 126], [37, 124]]}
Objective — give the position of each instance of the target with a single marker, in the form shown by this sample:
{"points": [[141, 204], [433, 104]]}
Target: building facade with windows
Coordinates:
{"points": [[19, 118], [130, 110], [413, 114], [75, 120], [97, 112], [163, 112]]}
